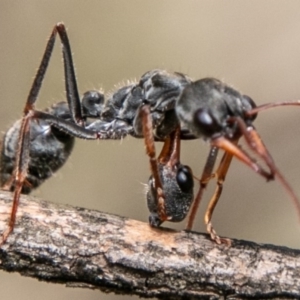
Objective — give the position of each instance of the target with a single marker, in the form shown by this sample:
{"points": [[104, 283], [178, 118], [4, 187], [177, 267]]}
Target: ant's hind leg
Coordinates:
{"points": [[22, 141]]}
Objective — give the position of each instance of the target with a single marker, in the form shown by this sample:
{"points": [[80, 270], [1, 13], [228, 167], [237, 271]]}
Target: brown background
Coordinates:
{"points": [[254, 45]]}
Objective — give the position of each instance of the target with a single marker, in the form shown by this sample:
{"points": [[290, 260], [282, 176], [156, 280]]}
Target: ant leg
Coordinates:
{"points": [[177, 181], [232, 148], [70, 78], [170, 152], [220, 174], [144, 113], [256, 144], [68, 127], [20, 172], [98, 130], [170, 186], [71, 86], [166, 152], [22, 157], [38, 80], [207, 174]]}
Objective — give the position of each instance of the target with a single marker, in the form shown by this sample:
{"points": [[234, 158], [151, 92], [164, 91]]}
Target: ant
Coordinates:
{"points": [[160, 107], [41, 142]]}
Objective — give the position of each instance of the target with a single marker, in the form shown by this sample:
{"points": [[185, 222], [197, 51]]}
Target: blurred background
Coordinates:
{"points": [[253, 45]]}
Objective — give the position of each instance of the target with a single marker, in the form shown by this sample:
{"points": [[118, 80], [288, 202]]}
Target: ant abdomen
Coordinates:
{"points": [[49, 150]]}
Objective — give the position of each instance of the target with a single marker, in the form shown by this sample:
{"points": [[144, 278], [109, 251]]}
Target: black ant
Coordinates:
{"points": [[40, 143], [160, 107]]}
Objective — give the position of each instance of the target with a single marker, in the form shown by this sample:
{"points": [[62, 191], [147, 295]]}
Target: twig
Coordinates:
{"points": [[84, 248]]}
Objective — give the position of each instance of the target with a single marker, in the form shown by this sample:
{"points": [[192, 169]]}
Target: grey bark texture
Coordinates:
{"points": [[83, 248]]}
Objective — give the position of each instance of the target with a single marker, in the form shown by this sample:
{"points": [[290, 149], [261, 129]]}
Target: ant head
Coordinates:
{"points": [[205, 106], [178, 194], [201, 107]]}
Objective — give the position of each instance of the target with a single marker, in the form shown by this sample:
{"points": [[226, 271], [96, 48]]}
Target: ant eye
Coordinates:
{"points": [[206, 122], [184, 178]]}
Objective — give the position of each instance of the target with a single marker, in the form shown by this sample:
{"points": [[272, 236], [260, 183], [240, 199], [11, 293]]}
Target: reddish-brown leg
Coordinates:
{"points": [[20, 173], [220, 175], [150, 150], [207, 174], [231, 149], [22, 156], [169, 156]]}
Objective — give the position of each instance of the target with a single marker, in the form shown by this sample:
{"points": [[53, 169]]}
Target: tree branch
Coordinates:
{"points": [[84, 248]]}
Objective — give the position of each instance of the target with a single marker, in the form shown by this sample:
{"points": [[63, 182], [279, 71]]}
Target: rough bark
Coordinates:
{"points": [[91, 249]]}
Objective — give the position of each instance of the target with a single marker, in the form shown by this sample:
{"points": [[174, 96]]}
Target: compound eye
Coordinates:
{"points": [[206, 122], [184, 179]]}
